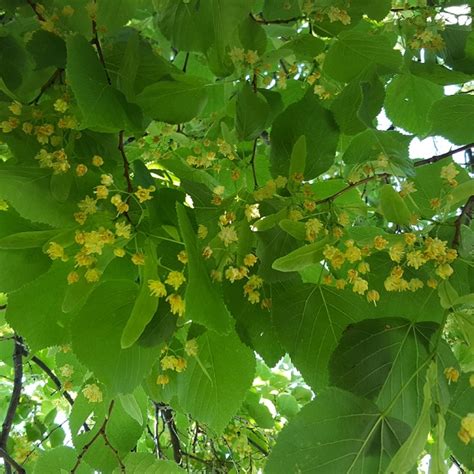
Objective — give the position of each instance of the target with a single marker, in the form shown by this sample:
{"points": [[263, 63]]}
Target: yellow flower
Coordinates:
{"points": [[191, 347], [138, 259], [81, 170], [15, 108], [373, 296], [43, 132], [415, 284], [119, 252], [88, 205], [360, 286], [106, 179], [56, 251], [157, 288], [92, 393], [83, 260], [449, 172], [60, 105], [253, 296], [341, 284], [432, 283], [451, 374], [380, 243], [435, 248], [207, 252], [228, 235], [407, 188], [183, 257], [363, 267], [250, 260], [409, 238], [101, 192], [313, 228], [27, 127], [175, 279], [68, 10], [92, 275], [66, 370], [444, 271], [352, 253], [415, 259], [252, 212], [233, 274], [202, 231], [143, 194], [343, 219], [396, 252], [97, 160], [73, 277], [176, 303], [435, 203], [162, 379], [466, 432], [180, 364], [216, 275], [251, 57], [123, 230]]}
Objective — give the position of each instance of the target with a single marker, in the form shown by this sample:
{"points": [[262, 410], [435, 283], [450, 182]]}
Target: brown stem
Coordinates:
{"points": [[11, 462], [100, 432], [466, 215], [167, 415], [35, 9], [47, 85], [352, 185], [13, 405], [126, 164], [252, 163], [436, 158], [262, 20], [96, 43]]}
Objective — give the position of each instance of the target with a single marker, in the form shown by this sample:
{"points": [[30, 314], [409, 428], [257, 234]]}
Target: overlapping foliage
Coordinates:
{"points": [[192, 190]]}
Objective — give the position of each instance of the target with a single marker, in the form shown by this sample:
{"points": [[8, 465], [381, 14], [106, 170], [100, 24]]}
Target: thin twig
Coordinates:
{"points": [[252, 163], [47, 85], [458, 464], [466, 215], [96, 43], [186, 59], [262, 20], [35, 9], [436, 158], [126, 165], [11, 462], [352, 185], [14, 402], [100, 432], [167, 415]]}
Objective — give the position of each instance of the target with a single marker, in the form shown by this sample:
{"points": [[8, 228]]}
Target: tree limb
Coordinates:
{"points": [[436, 158], [13, 405], [167, 415], [466, 215]]}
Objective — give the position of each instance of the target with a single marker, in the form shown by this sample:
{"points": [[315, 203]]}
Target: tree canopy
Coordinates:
{"points": [[236, 236]]}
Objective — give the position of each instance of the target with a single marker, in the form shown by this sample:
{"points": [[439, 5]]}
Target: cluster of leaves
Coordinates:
{"points": [[194, 193]]}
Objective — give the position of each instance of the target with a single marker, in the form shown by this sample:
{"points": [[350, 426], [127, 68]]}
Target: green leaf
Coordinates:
{"points": [[146, 463], [310, 320], [298, 157], [308, 118], [215, 397], [251, 113], [461, 405], [371, 144], [204, 304], [358, 104], [253, 324], [59, 460], [47, 49], [145, 305], [28, 191], [96, 332], [43, 323], [103, 108], [337, 432], [281, 9], [393, 206], [385, 360], [131, 407], [174, 101], [301, 258], [287, 405], [408, 455], [408, 102], [27, 240], [355, 51], [451, 117]]}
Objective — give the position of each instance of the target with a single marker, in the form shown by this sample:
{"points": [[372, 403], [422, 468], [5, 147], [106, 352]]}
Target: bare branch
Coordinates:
{"points": [[436, 158], [465, 216]]}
